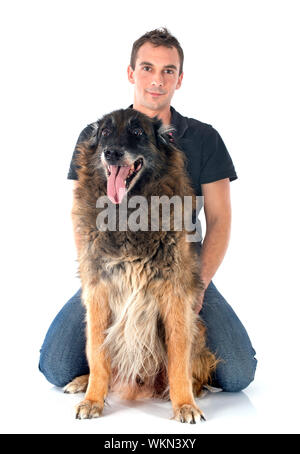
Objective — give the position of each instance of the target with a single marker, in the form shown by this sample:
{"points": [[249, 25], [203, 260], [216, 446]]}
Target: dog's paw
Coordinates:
{"points": [[189, 413], [88, 409], [78, 385]]}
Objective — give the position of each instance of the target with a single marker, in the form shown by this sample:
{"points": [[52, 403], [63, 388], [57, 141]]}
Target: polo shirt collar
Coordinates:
{"points": [[177, 120]]}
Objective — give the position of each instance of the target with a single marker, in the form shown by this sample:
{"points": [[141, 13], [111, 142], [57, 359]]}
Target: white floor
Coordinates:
{"points": [[42, 408]]}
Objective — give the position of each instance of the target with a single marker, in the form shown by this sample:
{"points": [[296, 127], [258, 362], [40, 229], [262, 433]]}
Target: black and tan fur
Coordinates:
{"points": [[139, 288]]}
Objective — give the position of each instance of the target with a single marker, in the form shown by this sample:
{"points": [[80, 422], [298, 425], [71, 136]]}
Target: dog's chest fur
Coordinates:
{"points": [[135, 337]]}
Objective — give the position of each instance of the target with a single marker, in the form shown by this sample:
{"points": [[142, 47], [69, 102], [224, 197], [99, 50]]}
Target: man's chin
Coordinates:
{"points": [[157, 104]]}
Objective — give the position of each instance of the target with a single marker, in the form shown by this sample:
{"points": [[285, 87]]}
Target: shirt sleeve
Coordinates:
{"points": [[216, 162], [84, 135]]}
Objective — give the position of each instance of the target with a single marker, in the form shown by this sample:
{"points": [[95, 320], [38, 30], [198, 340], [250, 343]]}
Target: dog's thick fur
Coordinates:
{"points": [[139, 288]]}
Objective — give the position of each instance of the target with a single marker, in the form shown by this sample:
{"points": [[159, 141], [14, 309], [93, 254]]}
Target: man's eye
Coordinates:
{"points": [[105, 132], [137, 131], [146, 68], [169, 71]]}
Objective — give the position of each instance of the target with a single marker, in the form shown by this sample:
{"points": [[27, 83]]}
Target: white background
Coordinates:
{"points": [[63, 65]]}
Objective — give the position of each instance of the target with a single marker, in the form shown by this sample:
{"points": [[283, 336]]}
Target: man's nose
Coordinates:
{"points": [[157, 82], [113, 155]]}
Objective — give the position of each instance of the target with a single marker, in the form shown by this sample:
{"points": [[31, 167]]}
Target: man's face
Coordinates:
{"points": [[156, 76]]}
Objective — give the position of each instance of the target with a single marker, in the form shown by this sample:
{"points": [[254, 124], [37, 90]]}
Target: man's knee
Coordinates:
{"points": [[51, 372], [62, 356], [234, 376]]}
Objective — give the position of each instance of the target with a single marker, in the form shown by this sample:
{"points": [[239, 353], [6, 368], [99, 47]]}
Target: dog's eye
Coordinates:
{"points": [[137, 131], [105, 132]]}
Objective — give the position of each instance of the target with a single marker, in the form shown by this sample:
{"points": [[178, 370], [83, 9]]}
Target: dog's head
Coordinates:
{"points": [[129, 146]]}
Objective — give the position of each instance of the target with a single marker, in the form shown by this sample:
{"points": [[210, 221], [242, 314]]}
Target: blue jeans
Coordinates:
{"points": [[62, 356]]}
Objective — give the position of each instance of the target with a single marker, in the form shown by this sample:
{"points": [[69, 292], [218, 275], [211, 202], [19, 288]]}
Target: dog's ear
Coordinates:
{"points": [[95, 134], [163, 134]]}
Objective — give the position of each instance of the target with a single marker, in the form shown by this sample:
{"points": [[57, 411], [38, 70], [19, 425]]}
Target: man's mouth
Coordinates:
{"points": [[154, 93], [119, 179]]}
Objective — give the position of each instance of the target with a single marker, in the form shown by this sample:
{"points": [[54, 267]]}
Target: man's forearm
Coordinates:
{"points": [[213, 249]]}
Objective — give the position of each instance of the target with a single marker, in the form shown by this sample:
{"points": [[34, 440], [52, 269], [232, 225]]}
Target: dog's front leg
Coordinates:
{"points": [[177, 316], [97, 306]]}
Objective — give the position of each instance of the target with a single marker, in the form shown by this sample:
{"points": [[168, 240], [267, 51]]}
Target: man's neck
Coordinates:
{"points": [[164, 114]]}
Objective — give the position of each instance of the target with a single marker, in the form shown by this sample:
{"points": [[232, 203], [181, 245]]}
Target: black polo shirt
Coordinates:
{"points": [[207, 157]]}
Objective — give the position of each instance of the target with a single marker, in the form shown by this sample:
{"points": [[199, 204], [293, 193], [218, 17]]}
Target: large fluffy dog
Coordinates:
{"points": [[139, 287]]}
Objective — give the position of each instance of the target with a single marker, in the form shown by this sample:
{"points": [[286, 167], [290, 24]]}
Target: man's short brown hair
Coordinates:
{"points": [[158, 37]]}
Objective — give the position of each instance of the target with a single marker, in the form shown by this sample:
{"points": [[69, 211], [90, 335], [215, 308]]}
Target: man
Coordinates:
{"points": [[156, 70]]}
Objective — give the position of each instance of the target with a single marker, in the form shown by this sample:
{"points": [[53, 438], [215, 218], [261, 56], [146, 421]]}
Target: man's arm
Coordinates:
{"points": [[217, 209]]}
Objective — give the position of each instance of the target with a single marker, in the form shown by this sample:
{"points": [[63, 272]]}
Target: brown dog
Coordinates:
{"points": [[139, 287]]}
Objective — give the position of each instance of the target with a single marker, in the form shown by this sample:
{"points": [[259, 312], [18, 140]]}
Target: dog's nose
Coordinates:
{"points": [[113, 155]]}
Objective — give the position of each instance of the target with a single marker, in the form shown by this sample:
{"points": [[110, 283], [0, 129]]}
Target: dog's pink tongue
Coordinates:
{"points": [[116, 184]]}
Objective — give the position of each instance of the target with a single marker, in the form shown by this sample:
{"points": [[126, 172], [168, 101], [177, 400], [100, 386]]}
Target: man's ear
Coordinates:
{"points": [[130, 72], [163, 134], [179, 82]]}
